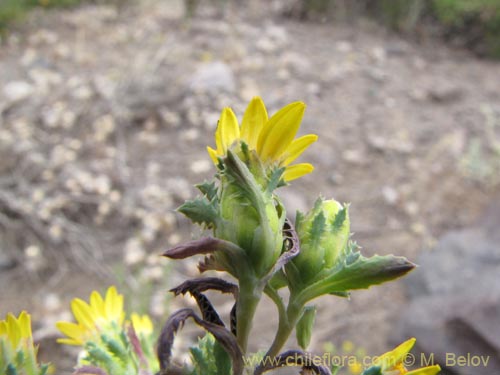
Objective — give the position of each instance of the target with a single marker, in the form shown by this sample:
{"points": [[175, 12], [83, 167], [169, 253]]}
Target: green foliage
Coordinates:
{"points": [[209, 358], [305, 326], [477, 20], [15, 10], [475, 24], [401, 14]]}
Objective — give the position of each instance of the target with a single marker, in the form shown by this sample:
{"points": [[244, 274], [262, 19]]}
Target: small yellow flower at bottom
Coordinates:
{"points": [[355, 368], [92, 318], [17, 330], [392, 363], [16, 341], [142, 324]]}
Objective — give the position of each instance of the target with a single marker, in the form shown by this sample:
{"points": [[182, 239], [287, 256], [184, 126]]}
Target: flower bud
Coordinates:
{"points": [[252, 217], [323, 234]]}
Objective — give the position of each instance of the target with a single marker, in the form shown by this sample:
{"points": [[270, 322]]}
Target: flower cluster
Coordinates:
{"points": [[110, 342], [254, 242], [17, 352]]}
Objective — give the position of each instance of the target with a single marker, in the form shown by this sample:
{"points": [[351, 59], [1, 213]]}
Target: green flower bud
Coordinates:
{"points": [[251, 216], [323, 234], [304, 327]]}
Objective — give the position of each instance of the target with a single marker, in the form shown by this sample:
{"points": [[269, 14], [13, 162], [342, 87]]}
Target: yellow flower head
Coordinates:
{"points": [[392, 363], [143, 326], [16, 330], [271, 138], [92, 317], [18, 354]]}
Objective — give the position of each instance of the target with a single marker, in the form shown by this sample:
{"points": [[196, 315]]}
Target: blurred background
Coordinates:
{"points": [[106, 108]]}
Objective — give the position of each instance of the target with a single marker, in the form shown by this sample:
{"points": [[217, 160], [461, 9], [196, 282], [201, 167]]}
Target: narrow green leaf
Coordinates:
{"points": [[304, 326], [361, 274]]}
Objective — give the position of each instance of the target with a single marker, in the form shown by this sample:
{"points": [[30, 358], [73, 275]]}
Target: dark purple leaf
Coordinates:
{"points": [[222, 335]]}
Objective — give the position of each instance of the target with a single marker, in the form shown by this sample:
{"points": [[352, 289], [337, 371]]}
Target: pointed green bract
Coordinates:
{"points": [[305, 326], [201, 211], [249, 215]]}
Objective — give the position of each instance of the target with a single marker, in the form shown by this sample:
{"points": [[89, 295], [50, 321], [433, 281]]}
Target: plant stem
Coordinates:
{"points": [[285, 327], [248, 299]]}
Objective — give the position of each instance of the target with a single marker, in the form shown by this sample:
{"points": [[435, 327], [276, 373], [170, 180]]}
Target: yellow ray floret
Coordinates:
{"points": [[92, 317], [142, 324], [392, 363], [17, 330], [272, 138]]}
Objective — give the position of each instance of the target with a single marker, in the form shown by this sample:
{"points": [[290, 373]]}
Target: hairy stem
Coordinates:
{"points": [[248, 299], [285, 327]]}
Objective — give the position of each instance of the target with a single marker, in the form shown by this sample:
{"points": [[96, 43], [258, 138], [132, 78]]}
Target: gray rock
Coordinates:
{"points": [[454, 329], [213, 77], [7, 262], [463, 260], [446, 93], [16, 91], [454, 310]]}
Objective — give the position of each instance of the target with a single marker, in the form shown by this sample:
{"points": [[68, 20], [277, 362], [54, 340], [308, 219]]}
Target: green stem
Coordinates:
{"points": [[248, 299], [285, 327]]}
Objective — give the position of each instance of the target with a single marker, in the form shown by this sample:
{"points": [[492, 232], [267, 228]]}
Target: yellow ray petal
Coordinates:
{"points": [[430, 370], [227, 131], [13, 330], [25, 324], [213, 155], [75, 332], [390, 359], [297, 170], [114, 305], [253, 122], [69, 341], [280, 131], [142, 324], [298, 146], [83, 314], [97, 305]]}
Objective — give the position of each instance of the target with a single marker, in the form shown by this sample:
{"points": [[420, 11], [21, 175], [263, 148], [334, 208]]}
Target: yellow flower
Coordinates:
{"points": [[92, 317], [355, 368], [392, 363], [272, 139], [142, 324], [17, 330]]}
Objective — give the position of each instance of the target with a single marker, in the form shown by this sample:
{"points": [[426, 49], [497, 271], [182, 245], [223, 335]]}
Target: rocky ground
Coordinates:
{"points": [[106, 112]]}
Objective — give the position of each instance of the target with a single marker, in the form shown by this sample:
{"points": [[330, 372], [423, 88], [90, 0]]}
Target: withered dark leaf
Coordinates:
{"points": [[292, 249], [136, 346], [204, 245], [196, 286], [222, 335], [234, 321], [203, 284]]}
